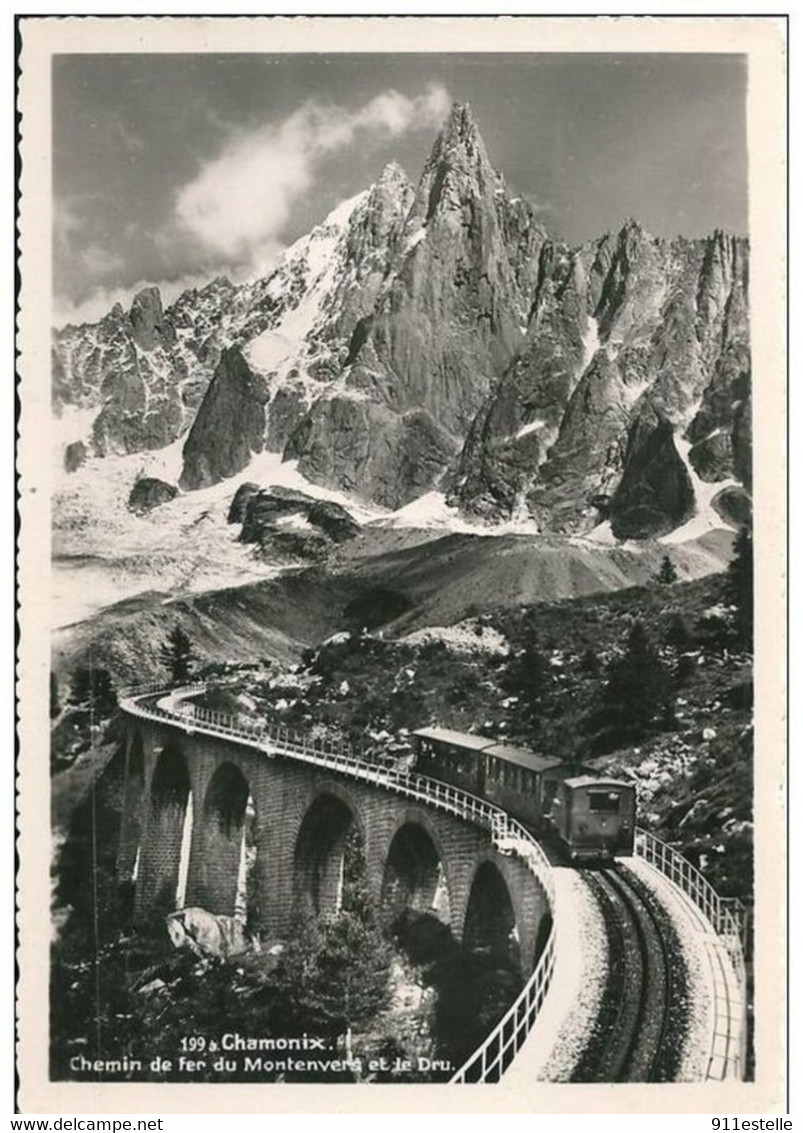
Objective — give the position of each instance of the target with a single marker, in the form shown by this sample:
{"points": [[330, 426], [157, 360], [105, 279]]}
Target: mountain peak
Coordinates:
{"points": [[460, 123], [148, 299], [460, 134], [393, 174], [147, 318], [633, 227], [458, 168]]}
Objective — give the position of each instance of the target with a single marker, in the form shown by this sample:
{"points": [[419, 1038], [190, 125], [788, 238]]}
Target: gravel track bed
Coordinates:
{"points": [[637, 1035], [696, 999]]}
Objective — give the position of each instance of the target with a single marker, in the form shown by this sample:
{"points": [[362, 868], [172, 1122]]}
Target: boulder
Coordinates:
{"points": [[333, 520], [712, 458], [208, 934], [240, 502], [288, 546], [149, 493], [263, 510], [733, 505], [74, 455]]}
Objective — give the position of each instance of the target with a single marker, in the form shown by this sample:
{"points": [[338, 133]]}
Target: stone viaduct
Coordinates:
{"points": [[286, 824]]}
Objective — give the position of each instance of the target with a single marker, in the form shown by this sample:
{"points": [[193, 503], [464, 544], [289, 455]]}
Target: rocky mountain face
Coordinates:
{"points": [[229, 425], [435, 336]]}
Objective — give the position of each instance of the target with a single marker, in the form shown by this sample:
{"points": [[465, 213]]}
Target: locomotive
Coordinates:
{"points": [[592, 817]]}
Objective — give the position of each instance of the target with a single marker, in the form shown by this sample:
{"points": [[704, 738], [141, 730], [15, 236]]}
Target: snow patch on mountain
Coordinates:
{"points": [[530, 427], [705, 517], [432, 511], [603, 535], [315, 259], [267, 469], [590, 342]]}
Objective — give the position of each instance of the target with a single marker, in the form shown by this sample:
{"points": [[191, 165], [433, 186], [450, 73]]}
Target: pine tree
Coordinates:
{"points": [[638, 684], [677, 635], [177, 655], [739, 586], [529, 677], [334, 975], [94, 689], [668, 572]]}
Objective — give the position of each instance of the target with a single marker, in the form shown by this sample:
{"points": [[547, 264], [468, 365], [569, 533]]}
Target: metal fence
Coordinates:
{"points": [[728, 918], [491, 1059], [489, 1062], [727, 915]]}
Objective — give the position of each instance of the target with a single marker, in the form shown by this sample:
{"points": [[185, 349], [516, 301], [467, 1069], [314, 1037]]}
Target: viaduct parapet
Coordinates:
{"points": [[299, 816]]}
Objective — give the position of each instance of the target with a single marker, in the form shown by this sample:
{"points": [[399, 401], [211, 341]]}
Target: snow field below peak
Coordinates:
{"points": [[530, 427], [278, 348], [705, 516], [432, 511], [590, 342]]}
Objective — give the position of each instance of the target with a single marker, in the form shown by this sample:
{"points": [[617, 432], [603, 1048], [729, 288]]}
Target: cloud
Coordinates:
{"points": [[67, 221], [100, 261], [241, 200]]}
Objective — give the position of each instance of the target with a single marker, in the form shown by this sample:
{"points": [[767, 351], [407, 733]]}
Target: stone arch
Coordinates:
{"points": [[225, 816], [490, 920], [414, 874], [319, 856], [169, 823], [131, 817], [225, 800]]}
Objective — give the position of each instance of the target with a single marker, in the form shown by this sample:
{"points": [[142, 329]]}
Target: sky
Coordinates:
{"points": [[172, 169]]}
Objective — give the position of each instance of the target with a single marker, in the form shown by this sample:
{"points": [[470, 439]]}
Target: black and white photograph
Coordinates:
{"points": [[388, 422]]}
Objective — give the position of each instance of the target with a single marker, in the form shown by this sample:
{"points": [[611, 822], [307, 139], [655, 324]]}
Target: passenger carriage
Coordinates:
{"points": [[593, 817]]}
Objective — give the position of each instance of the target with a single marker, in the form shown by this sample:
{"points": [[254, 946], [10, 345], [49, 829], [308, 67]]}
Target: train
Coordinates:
{"points": [[593, 818]]}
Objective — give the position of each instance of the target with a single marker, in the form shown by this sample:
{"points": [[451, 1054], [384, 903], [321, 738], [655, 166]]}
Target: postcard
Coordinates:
{"points": [[402, 564]]}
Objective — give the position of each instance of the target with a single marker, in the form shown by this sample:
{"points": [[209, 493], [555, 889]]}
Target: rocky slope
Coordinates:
{"points": [[434, 336], [403, 581]]}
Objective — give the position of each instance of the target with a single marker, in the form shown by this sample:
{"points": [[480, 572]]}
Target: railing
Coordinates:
{"points": [[728, 918], [491, 1059], [727, 915], [489, 1062]]}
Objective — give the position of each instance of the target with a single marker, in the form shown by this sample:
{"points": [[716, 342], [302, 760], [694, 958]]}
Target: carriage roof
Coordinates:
{"points": [[523, 757], [593, 781], [520, 756], [455, 739]]}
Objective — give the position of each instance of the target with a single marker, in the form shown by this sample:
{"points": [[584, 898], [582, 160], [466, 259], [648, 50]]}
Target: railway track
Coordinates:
{"points": [[639, 1027]]}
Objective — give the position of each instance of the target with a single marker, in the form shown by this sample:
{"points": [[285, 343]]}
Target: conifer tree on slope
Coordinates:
{"points": [[177, 655]]}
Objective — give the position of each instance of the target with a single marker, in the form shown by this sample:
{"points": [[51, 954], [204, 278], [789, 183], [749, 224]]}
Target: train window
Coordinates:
{"points": [[603, 800]]}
